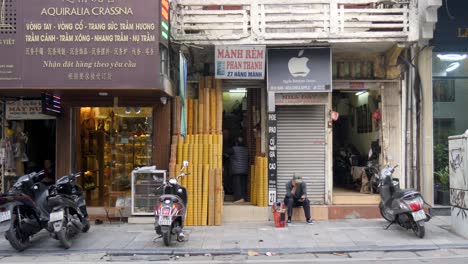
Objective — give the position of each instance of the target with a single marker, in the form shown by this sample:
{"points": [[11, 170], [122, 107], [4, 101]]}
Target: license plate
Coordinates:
{"points": [[165, 220], [56, 216], [419, 215], [5, 216]]}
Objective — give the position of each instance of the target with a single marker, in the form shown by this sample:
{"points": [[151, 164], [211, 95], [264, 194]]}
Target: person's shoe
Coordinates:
{"points": [[289, 221], [310, 222], [239, 201]]}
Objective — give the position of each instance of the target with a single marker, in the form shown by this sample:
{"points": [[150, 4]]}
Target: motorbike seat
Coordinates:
{"points": [[400, 193]]}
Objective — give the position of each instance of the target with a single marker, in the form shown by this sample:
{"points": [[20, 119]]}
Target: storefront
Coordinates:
{"points": [[112, 73], [449, 83]]}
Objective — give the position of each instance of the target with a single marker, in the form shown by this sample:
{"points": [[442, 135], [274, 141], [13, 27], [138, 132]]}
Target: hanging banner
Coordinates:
{"points": [[240, 62], [299, 70], [272, 174], [25, 110]]}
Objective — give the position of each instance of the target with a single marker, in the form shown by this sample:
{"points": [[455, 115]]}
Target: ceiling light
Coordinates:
{"points": [[128, 110], [451, 57], [360, 92], [452, 66], [103, 93], [137, 110], [238, 90]]}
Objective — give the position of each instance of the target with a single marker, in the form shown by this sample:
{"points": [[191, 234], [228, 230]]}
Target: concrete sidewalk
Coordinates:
{"points": [[323, 237]]}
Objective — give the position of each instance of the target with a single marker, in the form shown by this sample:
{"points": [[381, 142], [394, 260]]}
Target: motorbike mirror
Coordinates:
{"points": [[185, 163], [172, 181]]}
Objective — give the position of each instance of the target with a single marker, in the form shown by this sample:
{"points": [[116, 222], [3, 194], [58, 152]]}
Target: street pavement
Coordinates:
{"points": [[324, 237]]}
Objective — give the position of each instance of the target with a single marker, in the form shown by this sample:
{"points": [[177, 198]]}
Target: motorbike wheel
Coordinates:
{"points": [[384, 214], [64, 236], [86, 226], [14, 236], [167, 237], [419, 229]]}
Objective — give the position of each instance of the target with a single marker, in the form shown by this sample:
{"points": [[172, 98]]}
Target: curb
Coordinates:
{"points": [[236, 251]]}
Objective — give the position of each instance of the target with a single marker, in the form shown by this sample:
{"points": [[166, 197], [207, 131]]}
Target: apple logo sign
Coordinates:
{"points": [[298, 65]]}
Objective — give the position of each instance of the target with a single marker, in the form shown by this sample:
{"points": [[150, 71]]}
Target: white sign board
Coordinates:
{"points": [[240, 62], [25, 110]]}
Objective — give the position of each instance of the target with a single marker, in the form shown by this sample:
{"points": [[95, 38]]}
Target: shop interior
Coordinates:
{"points": [[241, 118], [112, 141], [30, 146], [356, 140]]}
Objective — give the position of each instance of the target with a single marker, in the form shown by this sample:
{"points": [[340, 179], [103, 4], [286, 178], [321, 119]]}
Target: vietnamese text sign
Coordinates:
{"points": [[300, 98], [25, 109], [80, 43], [299, 70], [272, 174], [240, 62]]}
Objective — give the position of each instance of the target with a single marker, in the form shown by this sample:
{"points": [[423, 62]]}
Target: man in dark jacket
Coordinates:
{"points": [[296, 195], [239, 168]]}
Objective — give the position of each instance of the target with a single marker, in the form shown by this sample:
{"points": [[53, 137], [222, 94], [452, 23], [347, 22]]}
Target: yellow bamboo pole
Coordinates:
{"points": [[190, 189], [218, 196], [213, 117], [190, 116], [211, 197], [179, 153], [265, 181], [219, 106], [206, 170], [201, 118], [206, 124], [195, 117], [199, 198], [253, 197]]}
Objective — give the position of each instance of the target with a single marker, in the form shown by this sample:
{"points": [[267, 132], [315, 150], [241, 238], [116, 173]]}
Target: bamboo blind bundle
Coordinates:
{"points": [[218, 196], [190, 153], [195, 117], [215, 156], [199, 192], [190, 116], [179, 153], [201, 117], [173, 158], [190, 189], [219, 106], [195, 152], [210, 139], [213, 108], [206, 171], [206, 154], [211, 197], [180, 140], [264, 185], [206, 119], [210, 156]]}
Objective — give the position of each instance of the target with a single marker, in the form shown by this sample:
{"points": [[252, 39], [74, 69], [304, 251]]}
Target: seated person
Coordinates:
{"points": [[296, 195]]}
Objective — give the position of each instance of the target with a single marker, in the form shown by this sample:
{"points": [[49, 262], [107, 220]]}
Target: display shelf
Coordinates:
{"points": [[144, 187]]}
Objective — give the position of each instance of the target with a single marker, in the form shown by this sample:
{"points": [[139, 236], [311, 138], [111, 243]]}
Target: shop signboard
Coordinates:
{"points": [[451, 30], [79, 44], [299, 70], [300, 98], [240, 62], [25, 110], [272, 173]]}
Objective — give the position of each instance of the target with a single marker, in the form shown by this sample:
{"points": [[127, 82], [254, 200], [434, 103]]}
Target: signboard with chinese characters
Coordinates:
{"points": [[25, 110], [80, 44], [299, 70], [240, 62]]}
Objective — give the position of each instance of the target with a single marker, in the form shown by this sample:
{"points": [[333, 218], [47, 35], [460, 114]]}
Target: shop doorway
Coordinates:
{"points": [[32, 148], [111, 142], [241, 133], [356, 141]]}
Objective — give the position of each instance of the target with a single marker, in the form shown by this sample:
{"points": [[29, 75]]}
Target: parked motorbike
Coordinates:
{"points": [[69, 216], [23, 210], [404, 207], [171, 208]]}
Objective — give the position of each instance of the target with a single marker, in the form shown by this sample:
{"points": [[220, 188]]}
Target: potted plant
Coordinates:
{"points": [[443, 178]]}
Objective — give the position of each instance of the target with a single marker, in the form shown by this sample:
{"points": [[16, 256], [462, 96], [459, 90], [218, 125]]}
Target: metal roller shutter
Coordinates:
{"points": [[301, 148]]}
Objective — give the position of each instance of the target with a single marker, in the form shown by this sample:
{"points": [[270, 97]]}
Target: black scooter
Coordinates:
{"points": [[404, 207], [23, 210], [69, 216], [171, 209]]}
